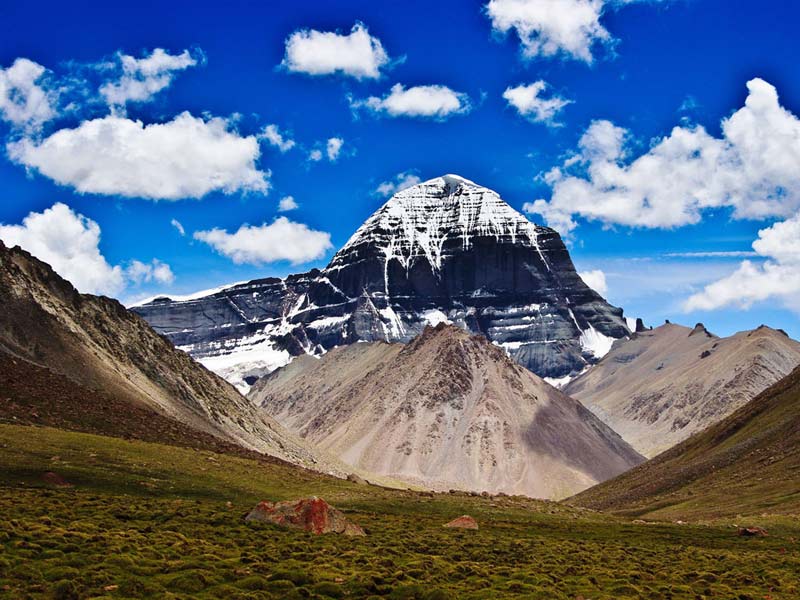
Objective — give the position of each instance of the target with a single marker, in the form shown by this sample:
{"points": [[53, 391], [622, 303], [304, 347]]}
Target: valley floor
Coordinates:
{"points": [[147, 520]]}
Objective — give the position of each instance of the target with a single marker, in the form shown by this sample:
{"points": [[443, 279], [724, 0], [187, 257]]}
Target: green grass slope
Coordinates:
{"points": [[747, 464], [149, 520]]}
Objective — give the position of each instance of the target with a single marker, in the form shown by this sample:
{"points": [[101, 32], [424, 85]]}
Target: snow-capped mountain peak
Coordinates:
{"points": [[419, 221], [444, 250]]}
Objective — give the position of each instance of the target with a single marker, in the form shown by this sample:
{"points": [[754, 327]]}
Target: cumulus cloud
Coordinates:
{"points": [[422, 101], [177, 225], [399, 182], [280, 240], [187, 157], [530, 103], [551, 27], [287, 203], [595, 279], [143, 78], [272, 135], [357, 54], [315, 155], [139, 272], [333, 147], [778, 277], [24, 101], [70, 243], [751, 169]]}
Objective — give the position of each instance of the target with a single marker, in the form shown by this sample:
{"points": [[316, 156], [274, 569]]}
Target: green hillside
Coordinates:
{"points": [[747, 464]]}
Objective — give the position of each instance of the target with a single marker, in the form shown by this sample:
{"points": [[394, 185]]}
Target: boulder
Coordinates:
{"points": [[308, 514], [353, 478], [463, 522], [752, 532]]}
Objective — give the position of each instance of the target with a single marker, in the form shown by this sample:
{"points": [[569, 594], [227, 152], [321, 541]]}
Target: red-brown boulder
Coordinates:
{"points": [[752, 532], [309, 514], [463, 522]]}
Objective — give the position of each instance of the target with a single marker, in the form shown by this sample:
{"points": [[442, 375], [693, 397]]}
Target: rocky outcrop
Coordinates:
{"points": [[448, 410], [306, 514], [446, 250], [661, 386]]}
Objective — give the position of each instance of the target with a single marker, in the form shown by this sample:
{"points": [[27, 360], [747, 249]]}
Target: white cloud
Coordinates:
{"points": [[274, 137], [548, 28], [177, 225], [23, 102], [280, 240], [332, 150], [595, 279], [400, 182], [287, 203], [778, 277], [422, 101], [187, 157], [530, 103], [752, 169], [602, 141], [712, 254], [143, 78], [333, 147], [139, 272], [69, 242], [357, 54]]}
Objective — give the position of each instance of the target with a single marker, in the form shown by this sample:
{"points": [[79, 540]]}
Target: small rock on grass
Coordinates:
{"points": [[462, 522]]}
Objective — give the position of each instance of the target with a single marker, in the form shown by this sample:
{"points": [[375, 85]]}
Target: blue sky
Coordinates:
{"points": [[646, 67]]}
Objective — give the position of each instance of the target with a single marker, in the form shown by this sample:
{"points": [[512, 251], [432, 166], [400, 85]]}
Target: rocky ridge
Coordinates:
{"points": [[50, 331], [662, 385], [449, 410]]}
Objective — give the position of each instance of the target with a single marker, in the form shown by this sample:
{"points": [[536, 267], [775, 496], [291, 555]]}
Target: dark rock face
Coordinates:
{"points": [[444, 250]]}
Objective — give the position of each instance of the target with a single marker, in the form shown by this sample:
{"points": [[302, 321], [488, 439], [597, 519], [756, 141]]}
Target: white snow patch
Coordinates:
{"points": [[558, 382], [393, 322], [257, 360], [434, 316], [596, 343], [327, 322], [185, 297]]}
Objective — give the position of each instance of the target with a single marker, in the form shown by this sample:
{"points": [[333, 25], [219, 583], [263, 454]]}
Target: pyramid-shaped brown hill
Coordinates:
{"points": [[747, 464], [448, 410], [662, 385], [104, 352]]}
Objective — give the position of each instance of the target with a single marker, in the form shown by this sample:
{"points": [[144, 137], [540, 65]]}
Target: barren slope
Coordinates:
{"points": [[97, 344], [448, 410], [661, 386]]}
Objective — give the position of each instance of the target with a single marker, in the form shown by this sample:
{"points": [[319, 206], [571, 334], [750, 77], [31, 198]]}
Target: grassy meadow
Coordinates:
{"points": [[148, 520]]}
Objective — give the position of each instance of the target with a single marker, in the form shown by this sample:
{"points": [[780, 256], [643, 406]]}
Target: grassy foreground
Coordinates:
{"points": [[146, 520]]}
